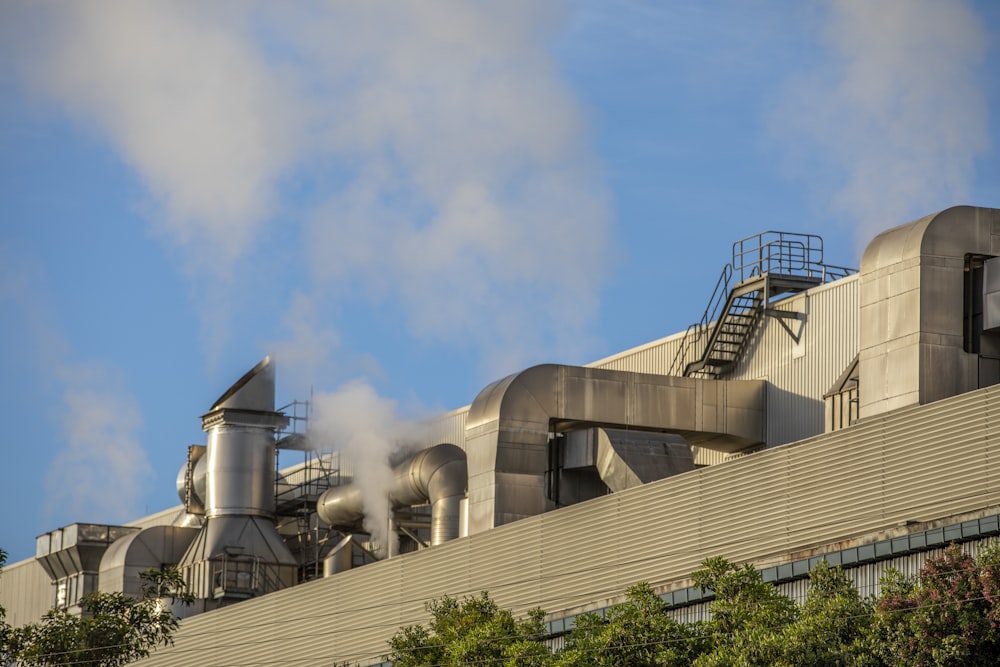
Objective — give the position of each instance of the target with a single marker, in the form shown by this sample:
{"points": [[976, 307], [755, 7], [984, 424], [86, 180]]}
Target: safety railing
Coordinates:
{"points": [[772, 253]]}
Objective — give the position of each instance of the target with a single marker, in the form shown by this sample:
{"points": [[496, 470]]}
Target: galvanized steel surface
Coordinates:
{"points": [[437, 475], [919, 464], [512, 420], [913, 291], [799, 365]]}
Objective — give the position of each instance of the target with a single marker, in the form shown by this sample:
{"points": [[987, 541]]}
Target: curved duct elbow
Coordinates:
{"points": [[341, 507], [438, 476]]}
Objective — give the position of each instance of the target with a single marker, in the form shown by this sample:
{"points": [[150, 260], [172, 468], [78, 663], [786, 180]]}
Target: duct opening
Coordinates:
{"points": [[981, 315], [593, 462]]}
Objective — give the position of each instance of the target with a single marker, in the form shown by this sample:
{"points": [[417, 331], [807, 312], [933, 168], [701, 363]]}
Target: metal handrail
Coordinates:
{"points": [[767, 253], [711, 314], [772, 251]]}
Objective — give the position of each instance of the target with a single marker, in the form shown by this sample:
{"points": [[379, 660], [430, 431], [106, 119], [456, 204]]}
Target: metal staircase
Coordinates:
{"points": [[764, 267]]}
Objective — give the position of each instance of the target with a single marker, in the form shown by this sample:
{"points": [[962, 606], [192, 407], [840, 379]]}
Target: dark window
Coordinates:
{"points": [[972, 310]]}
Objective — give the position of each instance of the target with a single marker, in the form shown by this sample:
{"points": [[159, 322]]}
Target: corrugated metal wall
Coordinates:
{"points": [[921, 463], [449, 427], [25, 592], [867, 579], [798, 372]]}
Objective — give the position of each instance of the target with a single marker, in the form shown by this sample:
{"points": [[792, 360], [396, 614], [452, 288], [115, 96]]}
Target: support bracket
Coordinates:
{"points": [[784, 317]]}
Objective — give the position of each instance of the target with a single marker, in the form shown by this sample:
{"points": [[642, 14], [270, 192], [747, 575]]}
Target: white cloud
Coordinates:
{"points": [[184, 97], [475, 198], [307, 351], [102, 469], [897, 109], [444, 158]]}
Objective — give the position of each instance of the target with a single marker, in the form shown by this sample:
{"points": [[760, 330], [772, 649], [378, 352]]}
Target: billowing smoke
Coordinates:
{"points": [[897, 109], [103, 466], [367, 428]]}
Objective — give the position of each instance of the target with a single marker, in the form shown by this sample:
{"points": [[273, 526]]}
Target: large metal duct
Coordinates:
{"points": [[511, 422], [238, 552], [922, 336], [133, 554], [437, 475]]}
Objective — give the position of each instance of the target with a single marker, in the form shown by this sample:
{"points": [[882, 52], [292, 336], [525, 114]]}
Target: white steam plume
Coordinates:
{"points": [[898, 111], [366, 428]]}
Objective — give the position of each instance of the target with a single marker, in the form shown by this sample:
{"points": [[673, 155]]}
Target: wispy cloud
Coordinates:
{"points": [[429, 154], [183, 97], [99, 469], [102, 469], [894, 108]]}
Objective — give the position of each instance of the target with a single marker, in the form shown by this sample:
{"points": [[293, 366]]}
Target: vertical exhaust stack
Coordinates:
{"points": [[238, 553]]}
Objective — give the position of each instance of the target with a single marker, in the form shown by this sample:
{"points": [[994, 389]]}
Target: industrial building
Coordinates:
{"points": [[812, 412]]}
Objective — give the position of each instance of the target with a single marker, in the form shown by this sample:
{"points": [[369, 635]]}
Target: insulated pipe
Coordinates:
{"points": [[437, 475]]}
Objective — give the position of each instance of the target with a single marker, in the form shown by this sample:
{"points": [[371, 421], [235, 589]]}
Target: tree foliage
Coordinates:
{"points": [[950, 615], [748, 616], [473, 630], [113, 629], [947, 616], [832, 626], [637, 632]]}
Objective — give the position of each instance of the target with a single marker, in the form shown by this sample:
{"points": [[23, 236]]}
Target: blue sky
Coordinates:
{"points": [[405, 201]]}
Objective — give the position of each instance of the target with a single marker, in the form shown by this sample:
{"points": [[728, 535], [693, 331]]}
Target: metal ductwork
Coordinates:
{"points": [[512, 421], [927, 310], [437, 475], [595, 461], [627, 459], [137, 552], [238, 552]]}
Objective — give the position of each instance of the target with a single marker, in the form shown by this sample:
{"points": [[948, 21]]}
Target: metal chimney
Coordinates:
{"points": [[238, 553]]}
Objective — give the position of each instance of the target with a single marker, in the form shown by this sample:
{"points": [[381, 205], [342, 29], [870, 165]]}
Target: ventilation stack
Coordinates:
{"points": [[238, 553]]}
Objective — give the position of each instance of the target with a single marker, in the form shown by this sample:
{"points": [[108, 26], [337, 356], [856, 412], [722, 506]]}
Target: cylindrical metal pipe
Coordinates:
{"points": [[341, 507], [198, 481], [437, 475], [240, 469]]}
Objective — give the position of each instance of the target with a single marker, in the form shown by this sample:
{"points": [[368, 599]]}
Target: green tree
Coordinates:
{"points": [[637, 632], [114, 629], [749, 616], [473, 630], [5, 630], [948, 616], [833, 624]]}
